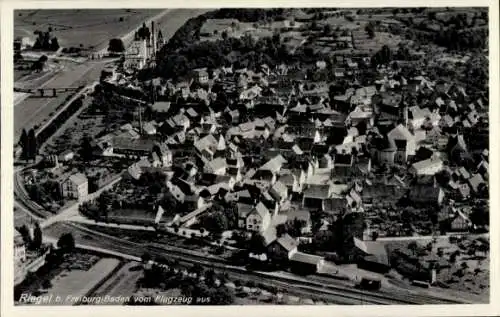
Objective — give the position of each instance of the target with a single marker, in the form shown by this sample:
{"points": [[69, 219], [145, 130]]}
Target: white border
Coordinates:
{"points": [[8, 309]]}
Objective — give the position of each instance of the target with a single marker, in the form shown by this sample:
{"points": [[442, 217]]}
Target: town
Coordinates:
{"points": [[253, 156]]}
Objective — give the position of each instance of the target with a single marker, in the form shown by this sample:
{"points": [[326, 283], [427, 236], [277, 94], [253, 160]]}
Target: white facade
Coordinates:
{"points": [[75, 187]]}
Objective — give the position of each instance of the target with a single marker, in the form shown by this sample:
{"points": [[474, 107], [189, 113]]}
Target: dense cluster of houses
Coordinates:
{"points": [[280, 148]]}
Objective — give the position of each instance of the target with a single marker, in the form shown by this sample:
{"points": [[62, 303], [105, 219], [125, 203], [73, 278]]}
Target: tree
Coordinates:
{"points": [[37, 237], [66, 242], [116, 46], [412, 246], [23, 142], [32, 145], [281, 229], [54, 44], [25, 233], [145, 257], [480, 216], [257, 243], [104, 203], [86, 150], [370, 29], [327, 29]]}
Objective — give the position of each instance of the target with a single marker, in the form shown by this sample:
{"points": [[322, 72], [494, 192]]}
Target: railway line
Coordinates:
{"points": [[313, 286]]}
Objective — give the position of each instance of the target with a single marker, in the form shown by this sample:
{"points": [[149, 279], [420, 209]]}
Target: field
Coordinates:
{"points": [[35, 110], [123, 283], [76, 282], [89, 27]]}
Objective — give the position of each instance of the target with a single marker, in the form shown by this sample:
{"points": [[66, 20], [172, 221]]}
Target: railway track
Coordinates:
{"points": [[315, 287]]}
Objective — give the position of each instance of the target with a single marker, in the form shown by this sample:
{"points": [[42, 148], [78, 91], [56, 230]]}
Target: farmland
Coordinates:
{"points": [[88, 27]]}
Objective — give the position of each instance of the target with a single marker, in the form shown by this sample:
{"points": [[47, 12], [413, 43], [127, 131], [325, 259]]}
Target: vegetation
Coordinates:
{"points": [[45, 41], [116, 46], [28, 143], [221, 217], [66, 243], [167, 275]]}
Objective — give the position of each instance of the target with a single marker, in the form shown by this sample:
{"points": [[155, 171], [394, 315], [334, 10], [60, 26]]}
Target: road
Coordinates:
{"points": [[33, 111]]}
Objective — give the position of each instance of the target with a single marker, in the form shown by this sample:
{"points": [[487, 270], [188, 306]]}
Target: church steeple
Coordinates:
{"points": [[160, 41]]}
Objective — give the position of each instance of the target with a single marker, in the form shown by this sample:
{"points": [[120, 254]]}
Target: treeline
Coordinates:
{"points": [[182, 53], [48, 131], [244, 52], [250, 15], [459, 32], [454, 39]]}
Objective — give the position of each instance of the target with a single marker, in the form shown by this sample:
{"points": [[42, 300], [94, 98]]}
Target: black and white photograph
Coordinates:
{"points": [[251, 156]]}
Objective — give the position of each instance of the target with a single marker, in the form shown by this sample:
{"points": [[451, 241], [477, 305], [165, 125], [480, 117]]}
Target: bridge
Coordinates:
{"points": [[46, 92]]}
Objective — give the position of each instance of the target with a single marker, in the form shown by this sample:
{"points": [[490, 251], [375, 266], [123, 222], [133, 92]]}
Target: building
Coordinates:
{"points": [[66, 156], [282, 249], [427, 167], [22, 43], [303, 263], [75, 187], [429, 193], [200, 75], [258, 219], [404, 142], [136, 55], [132, 147], [371, 255]]}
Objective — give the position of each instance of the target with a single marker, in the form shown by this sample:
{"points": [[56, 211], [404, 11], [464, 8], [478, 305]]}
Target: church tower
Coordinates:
{"points": [[159, 40]]}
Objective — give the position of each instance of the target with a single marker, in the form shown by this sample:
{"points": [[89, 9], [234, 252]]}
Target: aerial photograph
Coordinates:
{"points": [[251, 156]]}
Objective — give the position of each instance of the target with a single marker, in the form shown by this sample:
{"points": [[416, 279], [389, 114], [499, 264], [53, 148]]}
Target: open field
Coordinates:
{"points": [[89, 27], [32, 111]]}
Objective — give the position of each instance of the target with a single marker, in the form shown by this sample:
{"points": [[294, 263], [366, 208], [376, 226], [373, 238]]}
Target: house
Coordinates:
{"points": [[315, 196], [149, 128], [282, 249], [217, 166], [132, 147], [258, 219], [371, 255], [200, 75], [304, 263], [164, 154], [279, 192], [460, 222], [343, 165], [426, 193], [384, 189], [135, 170], [404, 142], [244, 209], [475, 182], [483, 168], [427, 167], [457, 148], [66, 156], [293, 179], [181, 121], [75, 187], [274, 165], [207, 146]]}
